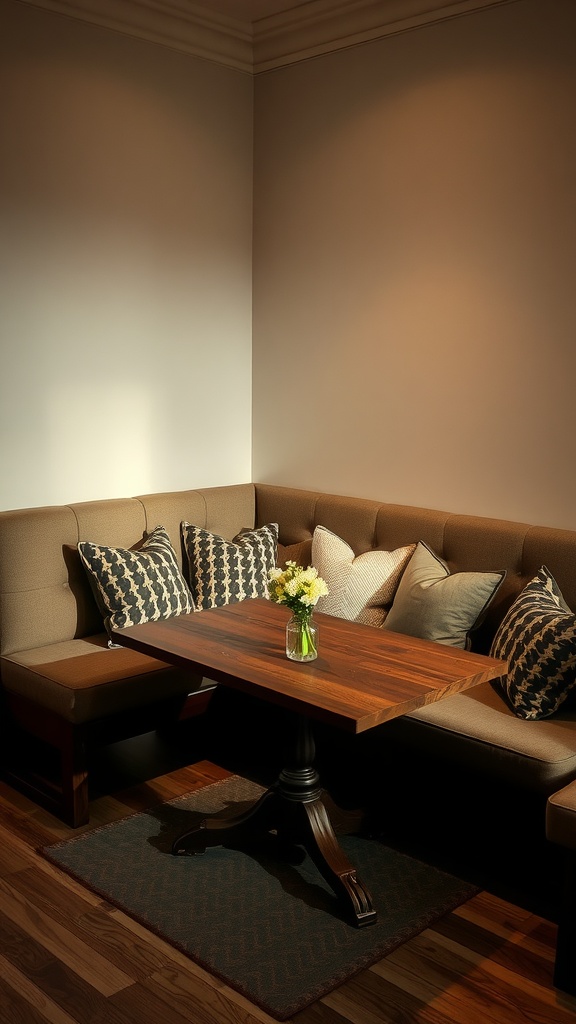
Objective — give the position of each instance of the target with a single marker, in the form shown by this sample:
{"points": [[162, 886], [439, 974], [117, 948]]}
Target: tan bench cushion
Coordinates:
{"points": [[480, 729], [82, 680]]}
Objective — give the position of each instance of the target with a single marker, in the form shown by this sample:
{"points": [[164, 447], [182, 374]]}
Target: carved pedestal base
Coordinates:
{"points": [[292, 810]]}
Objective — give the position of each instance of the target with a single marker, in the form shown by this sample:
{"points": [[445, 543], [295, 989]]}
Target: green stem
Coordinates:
{"points": [[307, 639]]}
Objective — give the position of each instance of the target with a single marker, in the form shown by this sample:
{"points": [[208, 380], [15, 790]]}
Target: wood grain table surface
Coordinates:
{"points": [[363, 676]]}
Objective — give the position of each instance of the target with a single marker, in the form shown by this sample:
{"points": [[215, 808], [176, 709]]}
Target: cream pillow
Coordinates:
{"points": [[361, 586]]}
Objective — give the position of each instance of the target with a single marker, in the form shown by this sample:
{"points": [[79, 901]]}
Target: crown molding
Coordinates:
{"points": [[177, 24], [322, 26], [307, 30]]}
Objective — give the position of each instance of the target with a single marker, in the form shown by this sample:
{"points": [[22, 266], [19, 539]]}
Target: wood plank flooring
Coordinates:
{"points": [[67, 957]]}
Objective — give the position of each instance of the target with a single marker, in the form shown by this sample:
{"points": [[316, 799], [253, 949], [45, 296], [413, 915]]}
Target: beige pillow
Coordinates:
{"points": [[361, 586]]}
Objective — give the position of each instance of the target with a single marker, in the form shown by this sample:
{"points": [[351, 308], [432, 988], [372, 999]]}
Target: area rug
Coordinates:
{"points": [[271, 929]]}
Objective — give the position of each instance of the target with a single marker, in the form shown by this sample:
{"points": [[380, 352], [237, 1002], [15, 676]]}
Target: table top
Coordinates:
{"points": [[363, 676]]}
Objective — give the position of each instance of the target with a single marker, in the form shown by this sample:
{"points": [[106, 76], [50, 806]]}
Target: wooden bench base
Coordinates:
{"points": [[46, 757]]}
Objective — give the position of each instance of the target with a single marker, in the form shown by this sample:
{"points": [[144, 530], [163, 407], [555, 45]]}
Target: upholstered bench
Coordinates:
{"points": [[561, 829], [60, 682]]}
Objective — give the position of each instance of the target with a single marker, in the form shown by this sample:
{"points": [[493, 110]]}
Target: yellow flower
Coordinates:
{"points": [[296, 587]]}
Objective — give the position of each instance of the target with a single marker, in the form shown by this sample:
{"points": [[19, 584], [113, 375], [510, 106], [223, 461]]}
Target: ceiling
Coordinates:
{"points": [[255, 36]]}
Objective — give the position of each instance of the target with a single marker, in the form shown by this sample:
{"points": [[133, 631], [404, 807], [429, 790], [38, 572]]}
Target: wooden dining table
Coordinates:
{"points": [[363, 676]]}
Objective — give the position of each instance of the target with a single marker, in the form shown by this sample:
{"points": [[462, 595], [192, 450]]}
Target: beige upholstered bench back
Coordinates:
{"points": [[45, 597], [467, 543]]}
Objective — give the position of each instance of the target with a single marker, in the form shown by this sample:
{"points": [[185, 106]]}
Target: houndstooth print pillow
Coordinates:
{"points": [[224, 571], [132, 586], [538, 639]]}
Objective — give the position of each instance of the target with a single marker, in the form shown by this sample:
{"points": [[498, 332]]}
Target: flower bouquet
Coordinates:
{"points": [[299, 589]]}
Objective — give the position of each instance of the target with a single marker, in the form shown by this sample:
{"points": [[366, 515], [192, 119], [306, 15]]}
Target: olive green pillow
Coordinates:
{"points": [[434, 604]]}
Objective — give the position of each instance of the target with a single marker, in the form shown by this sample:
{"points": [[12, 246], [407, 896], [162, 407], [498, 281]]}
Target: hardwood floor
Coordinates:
{"points": [[67, 957]]}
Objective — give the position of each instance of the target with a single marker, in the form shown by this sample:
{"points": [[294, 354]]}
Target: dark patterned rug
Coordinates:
{"points": [[272, 930]]}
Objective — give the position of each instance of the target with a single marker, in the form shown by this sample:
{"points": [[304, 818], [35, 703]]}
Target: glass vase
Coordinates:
{"points": [[301, 638]]}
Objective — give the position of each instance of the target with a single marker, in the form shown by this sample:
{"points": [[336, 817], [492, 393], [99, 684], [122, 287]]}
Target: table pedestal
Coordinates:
{"points": [[294, 811]]}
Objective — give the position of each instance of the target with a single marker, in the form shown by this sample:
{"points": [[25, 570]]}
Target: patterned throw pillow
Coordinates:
{"points": [[435, 604], [362, 586], [537, 637], [224, 571], [136, 585]]}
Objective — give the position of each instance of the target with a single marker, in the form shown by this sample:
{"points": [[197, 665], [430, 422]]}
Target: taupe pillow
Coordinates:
{"points": [[434, 604], [361, 586]]}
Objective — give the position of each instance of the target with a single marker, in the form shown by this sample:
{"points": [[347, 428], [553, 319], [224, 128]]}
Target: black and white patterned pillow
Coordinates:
{"points": [[132, 586], [537, 637], [224, 571]]}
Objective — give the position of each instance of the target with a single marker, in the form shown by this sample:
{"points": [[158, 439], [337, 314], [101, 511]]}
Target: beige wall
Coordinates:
{"points": [[125, 248], [415, 266], [415, 253]]}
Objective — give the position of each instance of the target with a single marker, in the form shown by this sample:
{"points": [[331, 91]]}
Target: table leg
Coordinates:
{"points": [[330, 859], [293, 808]]}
